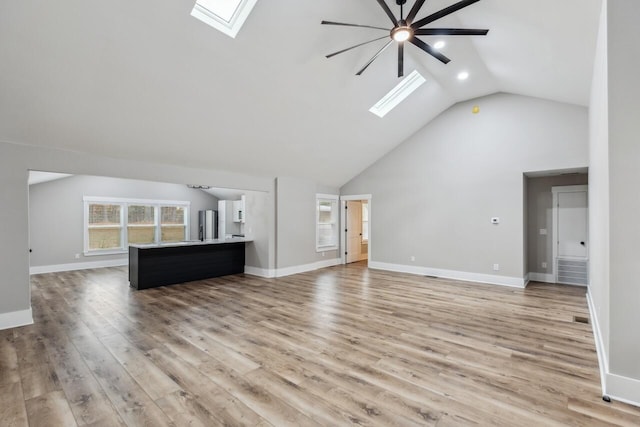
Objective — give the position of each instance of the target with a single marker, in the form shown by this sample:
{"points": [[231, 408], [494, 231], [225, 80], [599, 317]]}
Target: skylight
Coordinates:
{"points": [[398, 94], [227, 16]]}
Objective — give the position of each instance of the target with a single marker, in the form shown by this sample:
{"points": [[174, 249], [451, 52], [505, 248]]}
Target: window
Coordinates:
{"points": [[173, 224], [226, 16], [326, 222], [111, 224], [365, 222], [141, 224], [104, 226]]}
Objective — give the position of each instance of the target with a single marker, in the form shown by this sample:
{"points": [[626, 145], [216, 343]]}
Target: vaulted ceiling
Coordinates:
{"points": [[145, 80]]}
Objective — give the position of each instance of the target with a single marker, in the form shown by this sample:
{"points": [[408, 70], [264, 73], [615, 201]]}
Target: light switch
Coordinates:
{"points": [[543, 231]]}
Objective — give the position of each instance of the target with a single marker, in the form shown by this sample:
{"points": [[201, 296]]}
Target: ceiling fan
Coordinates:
{"points": [[406, 29]]}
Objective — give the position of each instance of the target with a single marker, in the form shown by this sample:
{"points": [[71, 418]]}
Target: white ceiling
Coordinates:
{"points": [[145, 80], [224, 193]]}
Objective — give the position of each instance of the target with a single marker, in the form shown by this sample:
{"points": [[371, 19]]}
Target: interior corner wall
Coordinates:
{"points": [[259, 220], [296, 223], [599, 191], [624, 175], [525, 220], [56, 213], [540, 216], [15, 163], [433, 196]]}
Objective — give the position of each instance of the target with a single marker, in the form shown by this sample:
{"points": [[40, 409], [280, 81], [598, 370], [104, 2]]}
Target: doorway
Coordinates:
{"points": [[571, 234], [540, 222], [356, 235]]}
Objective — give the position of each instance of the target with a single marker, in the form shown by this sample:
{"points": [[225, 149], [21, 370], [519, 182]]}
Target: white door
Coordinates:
{"points": [[354, 230], [571, 228], [572, 225]]}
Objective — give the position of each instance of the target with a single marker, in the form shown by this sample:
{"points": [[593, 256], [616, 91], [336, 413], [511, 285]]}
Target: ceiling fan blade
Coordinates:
{"points": [[374, 57], [444, 12], [449, 32], [352, 25], [414, 11], [400, 59], [384, 6], [430, 50], [353, 47]]}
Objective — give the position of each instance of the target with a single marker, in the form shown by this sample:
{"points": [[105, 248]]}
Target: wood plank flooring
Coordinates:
{"points": [[339, 346]]}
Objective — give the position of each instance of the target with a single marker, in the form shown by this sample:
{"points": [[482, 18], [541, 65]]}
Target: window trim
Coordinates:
{"points": [[333, 198], [231, 27], [365, 241], [124, 204]]}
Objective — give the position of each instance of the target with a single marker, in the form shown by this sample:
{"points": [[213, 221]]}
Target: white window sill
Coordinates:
{"points": [[326, 248], [106, 252]]}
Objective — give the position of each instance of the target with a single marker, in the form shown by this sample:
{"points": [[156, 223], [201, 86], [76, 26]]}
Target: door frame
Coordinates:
{"points": [[556, 191], [343, 223]]}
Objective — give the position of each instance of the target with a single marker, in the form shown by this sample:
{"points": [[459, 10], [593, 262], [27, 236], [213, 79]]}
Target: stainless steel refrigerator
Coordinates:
{"points": [[207, 224]]}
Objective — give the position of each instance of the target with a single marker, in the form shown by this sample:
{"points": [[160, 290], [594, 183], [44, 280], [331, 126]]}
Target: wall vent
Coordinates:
{"points": [[572, 271], [581, 319]]}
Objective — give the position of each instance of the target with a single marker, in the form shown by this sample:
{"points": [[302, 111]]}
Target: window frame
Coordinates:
{"points": [[365, 222], [124, 204], [334, 221]]}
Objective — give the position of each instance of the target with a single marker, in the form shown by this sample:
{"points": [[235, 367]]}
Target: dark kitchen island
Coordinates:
{"points": [[162, 264]]}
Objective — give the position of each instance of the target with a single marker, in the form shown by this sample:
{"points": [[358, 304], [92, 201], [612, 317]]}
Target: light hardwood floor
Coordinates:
{"points": [[339, 346]]}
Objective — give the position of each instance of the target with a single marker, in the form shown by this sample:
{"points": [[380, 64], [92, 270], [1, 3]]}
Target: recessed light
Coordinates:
{"points": [[463, 75], [439, 45]]}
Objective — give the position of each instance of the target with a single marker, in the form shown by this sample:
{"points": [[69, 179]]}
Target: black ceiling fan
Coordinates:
{"points": [[406, 29]]}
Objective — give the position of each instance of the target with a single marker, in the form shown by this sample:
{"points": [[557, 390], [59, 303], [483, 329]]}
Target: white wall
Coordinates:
{"points": [[296, 223], [434, 195], [624, 197], [599, 187], [17, 160], [56, 213], [259, 210], [614, 200]]}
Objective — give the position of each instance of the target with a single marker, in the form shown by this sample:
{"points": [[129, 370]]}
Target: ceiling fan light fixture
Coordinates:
{"points": [[439, 44], [463, 75], [402, 32]]}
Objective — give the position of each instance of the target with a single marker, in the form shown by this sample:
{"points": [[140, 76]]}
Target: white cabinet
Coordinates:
{"points": [[238, 210], [230, 218]]}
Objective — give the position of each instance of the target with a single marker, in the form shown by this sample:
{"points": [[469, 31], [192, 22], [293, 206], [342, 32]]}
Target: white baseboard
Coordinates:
{"points": [[515, 282], [14, 319], [39, 269], [541, 277], [617, 387], [600, 348], [624, 389], [288, 271], [260, 272]]}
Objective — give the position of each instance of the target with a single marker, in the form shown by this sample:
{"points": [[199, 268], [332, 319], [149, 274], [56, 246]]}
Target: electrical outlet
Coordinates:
{"points": [[322, 253], [413, 258], [544, 265], [77, 256], [543, 231], [496, 267]]}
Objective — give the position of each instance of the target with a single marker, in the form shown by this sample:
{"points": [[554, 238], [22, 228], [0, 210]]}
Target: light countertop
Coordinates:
{"points": [[194, 243]]}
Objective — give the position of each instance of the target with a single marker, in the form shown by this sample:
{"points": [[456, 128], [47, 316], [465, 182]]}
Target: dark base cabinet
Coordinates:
{"points": [[166, 265]]}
